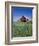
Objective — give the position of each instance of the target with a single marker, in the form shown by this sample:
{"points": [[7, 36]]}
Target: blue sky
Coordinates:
{"points": [[18, 12]]}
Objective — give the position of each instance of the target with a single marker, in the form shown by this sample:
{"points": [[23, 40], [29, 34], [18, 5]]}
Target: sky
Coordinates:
{"points": [[18, 12]]}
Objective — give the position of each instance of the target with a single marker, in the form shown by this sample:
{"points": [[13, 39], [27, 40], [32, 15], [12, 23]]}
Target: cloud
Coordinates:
{"points": [[16, 18]]}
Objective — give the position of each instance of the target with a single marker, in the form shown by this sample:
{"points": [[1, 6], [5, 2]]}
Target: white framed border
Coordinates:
{"points": [[21, 40], [15, 39]]}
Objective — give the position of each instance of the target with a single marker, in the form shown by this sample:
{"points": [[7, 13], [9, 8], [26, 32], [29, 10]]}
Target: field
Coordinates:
{"points": [[22, 29]]}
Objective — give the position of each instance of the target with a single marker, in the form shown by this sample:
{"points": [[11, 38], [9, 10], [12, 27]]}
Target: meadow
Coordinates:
{"points": [[22, 29]]}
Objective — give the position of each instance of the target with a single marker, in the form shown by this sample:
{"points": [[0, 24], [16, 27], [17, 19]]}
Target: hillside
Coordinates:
{"points": [[24, 19]]}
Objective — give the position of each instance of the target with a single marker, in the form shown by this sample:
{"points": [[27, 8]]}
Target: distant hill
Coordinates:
{"points": [[24, 19]]}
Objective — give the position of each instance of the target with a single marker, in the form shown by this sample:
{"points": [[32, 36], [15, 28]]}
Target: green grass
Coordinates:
{"points": [[22, 29]]}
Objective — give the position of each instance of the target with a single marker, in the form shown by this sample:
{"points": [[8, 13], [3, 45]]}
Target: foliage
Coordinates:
{"points": [[22, 29]]}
